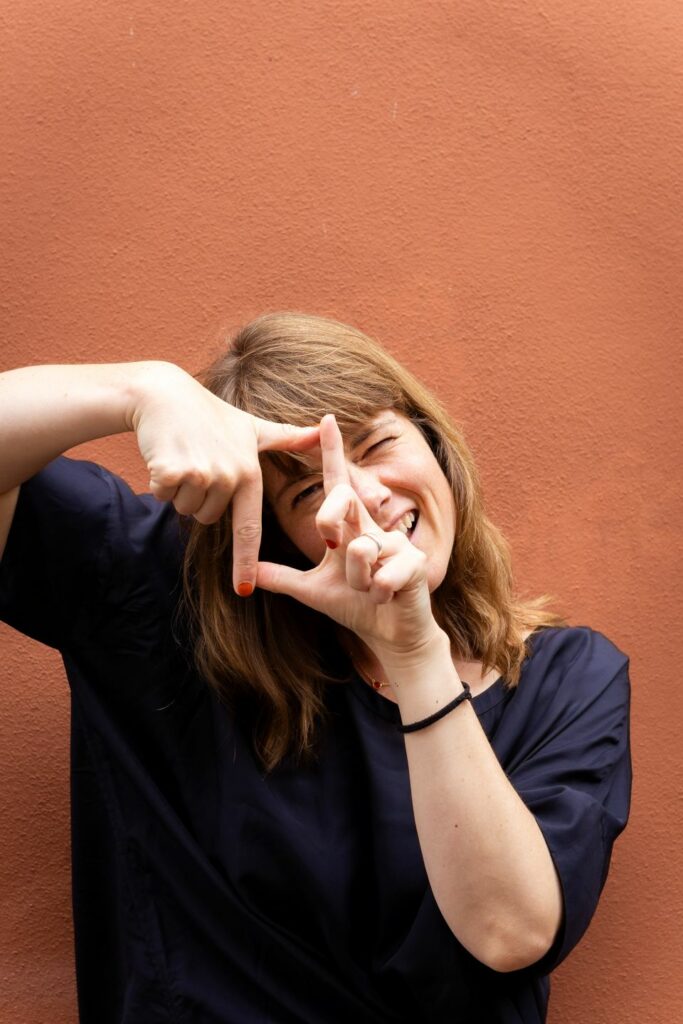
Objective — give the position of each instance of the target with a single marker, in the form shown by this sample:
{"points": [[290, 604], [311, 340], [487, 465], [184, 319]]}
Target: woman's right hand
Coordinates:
{"points": [[202, 455]]}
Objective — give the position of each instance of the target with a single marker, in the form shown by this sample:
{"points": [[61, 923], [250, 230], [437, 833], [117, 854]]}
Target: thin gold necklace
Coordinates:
{"points": [[374, 683]]}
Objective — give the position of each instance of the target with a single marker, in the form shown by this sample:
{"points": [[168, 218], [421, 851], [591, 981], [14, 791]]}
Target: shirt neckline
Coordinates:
{"points": [[389, 710]]}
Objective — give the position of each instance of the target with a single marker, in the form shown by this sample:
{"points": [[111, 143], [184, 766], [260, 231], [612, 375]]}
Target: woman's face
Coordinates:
{"points": [[395, 474]]}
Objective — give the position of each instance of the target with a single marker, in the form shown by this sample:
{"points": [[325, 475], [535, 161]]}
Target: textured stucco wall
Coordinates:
{"points": [[493, 190]]}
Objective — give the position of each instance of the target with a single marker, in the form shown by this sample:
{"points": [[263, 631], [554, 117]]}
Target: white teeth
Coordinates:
{"points": [[406, 521]]}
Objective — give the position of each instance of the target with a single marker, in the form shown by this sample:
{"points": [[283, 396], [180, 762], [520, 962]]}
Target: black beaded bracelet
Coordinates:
{"points": [[465, 695]]}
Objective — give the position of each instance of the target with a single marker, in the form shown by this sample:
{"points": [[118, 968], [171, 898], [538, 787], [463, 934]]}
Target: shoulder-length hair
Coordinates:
{"points": [[268, 655]]}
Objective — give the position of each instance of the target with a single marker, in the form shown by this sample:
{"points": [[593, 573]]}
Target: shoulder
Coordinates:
{"points": [[84, 549], [76, 481], [81, 492], [85, 520], [72, 492], [572, 673], [573, 651]]}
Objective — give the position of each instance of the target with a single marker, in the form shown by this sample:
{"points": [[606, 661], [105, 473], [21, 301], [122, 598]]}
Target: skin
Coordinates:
{"points": [[384, 599], [488, 865], [391, 470], [201, 453]]}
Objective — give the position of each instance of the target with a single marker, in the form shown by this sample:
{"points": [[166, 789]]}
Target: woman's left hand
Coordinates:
{"points": [[373, 582]]}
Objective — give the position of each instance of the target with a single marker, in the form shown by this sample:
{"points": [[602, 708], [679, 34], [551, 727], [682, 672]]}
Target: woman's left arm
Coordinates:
{"points": [[488, 864]]}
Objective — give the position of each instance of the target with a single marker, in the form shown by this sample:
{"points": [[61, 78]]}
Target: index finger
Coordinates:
{"points": [[333, 455], [246, 533]]}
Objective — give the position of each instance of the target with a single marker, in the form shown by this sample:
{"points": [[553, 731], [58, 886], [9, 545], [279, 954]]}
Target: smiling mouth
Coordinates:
{"points": [[408, 522]]}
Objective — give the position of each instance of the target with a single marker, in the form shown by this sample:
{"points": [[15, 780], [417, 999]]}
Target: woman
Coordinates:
{"points": [[330, 770]]}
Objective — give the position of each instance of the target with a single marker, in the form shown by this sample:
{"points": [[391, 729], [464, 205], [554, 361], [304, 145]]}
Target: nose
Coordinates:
{"points": [[371, 491]]}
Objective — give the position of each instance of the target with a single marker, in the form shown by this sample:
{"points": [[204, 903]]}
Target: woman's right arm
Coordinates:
{"points": [[201, 452], [45, 410]]}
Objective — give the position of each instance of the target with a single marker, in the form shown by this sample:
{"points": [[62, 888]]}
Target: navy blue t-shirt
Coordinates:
{"points": [[206, 891]]}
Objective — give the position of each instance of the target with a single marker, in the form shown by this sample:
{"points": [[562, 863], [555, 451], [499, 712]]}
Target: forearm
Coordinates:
{"points": [[45, 410], [487, 861]]}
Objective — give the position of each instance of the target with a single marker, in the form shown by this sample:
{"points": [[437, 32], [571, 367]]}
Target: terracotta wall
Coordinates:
{"points": [[492, 189]]}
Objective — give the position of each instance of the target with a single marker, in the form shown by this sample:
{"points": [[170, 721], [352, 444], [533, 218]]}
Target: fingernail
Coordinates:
{"points": [[332, 544], [245, 589]]}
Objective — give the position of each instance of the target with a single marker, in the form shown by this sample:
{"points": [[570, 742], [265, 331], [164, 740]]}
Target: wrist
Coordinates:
{"points": [[405, 665], [145, 382]]}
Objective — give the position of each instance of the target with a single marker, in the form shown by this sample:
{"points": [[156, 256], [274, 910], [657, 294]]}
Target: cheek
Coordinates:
{"points": [[305, 537]]}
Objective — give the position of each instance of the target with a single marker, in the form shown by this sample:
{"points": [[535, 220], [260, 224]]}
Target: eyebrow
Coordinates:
{"points": [[356, 440], [365, 433]]}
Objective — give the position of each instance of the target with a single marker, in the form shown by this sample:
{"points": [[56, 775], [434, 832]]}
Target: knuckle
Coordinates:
{"points": [[207, 518], [248, 530], [164, 475], [323, 518], [197, 477], [245, 566], [361, 548], [223, 483], [161, 491], [250, 474], [175, 476], [185, 508], [381, 594], [384, 589]]}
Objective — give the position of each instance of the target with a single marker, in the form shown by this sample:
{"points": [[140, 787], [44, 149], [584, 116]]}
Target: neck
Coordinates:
{"points": [[361, 656], [369, 666]]}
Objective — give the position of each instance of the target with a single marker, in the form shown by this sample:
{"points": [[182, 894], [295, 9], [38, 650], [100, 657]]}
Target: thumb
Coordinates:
{"points": [[285, 436], [283, 579]]}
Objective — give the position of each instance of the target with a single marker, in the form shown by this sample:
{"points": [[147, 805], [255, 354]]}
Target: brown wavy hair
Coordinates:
{"points": [[271, 657]]}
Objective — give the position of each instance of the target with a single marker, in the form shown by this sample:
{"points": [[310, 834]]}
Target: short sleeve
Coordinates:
{"points": [[78, 537], [573, 767]]}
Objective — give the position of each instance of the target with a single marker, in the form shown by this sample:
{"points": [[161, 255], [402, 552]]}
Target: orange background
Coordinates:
{"points": [[491, 189]]}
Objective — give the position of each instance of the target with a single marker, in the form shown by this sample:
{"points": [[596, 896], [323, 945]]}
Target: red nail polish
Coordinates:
{"points": [[332, 544], [245, 589]]}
